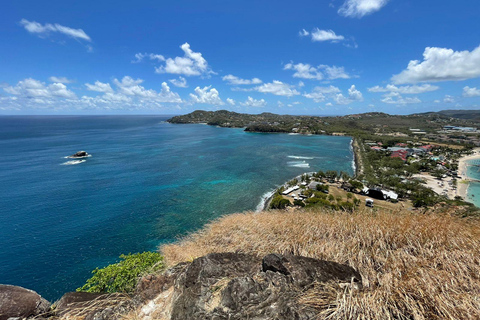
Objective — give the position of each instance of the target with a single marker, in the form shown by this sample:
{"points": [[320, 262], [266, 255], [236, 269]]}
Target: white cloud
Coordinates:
{"points": [[44, 30], [60, 79], [181, 82], [99, 87], [334, 72], [278, 88], [303, 33], [33, 89], [152, 56], [360, 8], [306, 71], [191, 64], [231, 101], [231, 79], [206, 95], [448, 99], [396, 98], [319, 94], [441, 64], [416, 89], [318, 35], [326, 35], [131, 87], [471, 92], [250, 102], [353, 95], [127, 94], [328, 104]]}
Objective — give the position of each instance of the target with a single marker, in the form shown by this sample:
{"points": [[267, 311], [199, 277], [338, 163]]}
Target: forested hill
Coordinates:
{"points": [[473, 115], [368, 123]]}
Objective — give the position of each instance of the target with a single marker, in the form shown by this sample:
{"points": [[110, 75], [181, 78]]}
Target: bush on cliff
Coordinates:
{"points": [[123, 276]]}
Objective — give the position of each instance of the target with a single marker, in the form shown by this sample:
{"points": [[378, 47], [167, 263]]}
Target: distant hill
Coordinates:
{"points": [[473, 115]]}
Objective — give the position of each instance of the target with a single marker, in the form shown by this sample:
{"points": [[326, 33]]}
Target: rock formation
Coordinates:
{"points": [[217, 286], [18, 302], [238, 286]]}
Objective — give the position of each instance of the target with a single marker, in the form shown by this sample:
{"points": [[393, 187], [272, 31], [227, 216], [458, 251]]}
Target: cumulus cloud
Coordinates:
{"points": [[250, 102], [231, 101], [191, 64], [396, 98], [448, 99], [207, 95], [441, 64], [353, 95], [471, 92], [233, 80], [130, 87], [277, 88], [60, 79], [360, 8], [139, 57], [127, 93], [319, 35], [33, 89], [48, 28], [326, 35], [320, 94], [181, 82], [306, 71], [99, 87], [416, 89]]}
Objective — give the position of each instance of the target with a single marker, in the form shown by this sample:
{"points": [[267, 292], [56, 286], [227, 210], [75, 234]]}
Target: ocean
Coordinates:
{"points": [[147, 182], [473, 191]]}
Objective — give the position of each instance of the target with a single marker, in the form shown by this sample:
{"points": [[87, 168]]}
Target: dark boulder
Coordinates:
{"points": [[239, 286], [80, 154], [18, 302]]}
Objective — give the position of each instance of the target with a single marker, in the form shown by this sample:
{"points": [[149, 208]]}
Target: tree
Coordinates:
{"points": [[356, 184], [278, 202], [123, 276]]}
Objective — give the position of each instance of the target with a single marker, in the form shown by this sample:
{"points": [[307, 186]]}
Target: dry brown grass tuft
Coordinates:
{"points": [[413, 266]]}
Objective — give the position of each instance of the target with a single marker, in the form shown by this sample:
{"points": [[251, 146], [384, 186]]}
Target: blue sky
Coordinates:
{"points": [[288, 57]]}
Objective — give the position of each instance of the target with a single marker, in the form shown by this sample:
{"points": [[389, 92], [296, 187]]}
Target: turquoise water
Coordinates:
{"points": [[473, 172], [147, 183]]}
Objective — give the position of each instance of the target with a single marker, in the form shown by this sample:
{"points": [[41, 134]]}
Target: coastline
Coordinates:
{"points": [[357, 167], [268, 196], [462, 188], [357, 157]]}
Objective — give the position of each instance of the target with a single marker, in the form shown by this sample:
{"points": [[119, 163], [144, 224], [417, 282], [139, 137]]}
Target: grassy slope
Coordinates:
{"points": [[414, 266]]}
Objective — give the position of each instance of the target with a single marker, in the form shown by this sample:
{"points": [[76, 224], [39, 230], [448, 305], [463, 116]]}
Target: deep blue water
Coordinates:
{"points": [[147, 183]]}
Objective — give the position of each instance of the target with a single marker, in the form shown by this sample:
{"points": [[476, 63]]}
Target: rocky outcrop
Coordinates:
{"points": [[238, 286], [79, 154], [18, 302], [217, 286]]}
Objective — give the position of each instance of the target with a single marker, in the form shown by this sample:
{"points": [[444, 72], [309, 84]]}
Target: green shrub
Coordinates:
{"points": [[299, 203], [278, 202], [123, 276]]}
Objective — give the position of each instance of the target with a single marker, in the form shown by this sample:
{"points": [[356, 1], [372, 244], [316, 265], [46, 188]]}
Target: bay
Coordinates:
{"points": [[148, 182]]}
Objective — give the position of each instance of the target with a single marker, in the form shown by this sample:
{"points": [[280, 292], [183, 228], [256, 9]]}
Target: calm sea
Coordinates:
{"points": [[147, 183], [473, 192]]}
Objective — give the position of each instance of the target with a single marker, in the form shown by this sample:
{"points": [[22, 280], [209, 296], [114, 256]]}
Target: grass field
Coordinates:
{"points": [[414, 266]]}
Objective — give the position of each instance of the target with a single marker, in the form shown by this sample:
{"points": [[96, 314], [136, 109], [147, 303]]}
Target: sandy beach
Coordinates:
{"points": [[462, 186]]}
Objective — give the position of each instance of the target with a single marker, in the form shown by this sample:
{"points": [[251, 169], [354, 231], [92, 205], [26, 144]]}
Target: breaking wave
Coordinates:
{"points": [[69, 163]]}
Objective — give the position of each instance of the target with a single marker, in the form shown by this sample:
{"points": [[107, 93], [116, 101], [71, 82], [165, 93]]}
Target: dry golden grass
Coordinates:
{"points": [[413, 266]]}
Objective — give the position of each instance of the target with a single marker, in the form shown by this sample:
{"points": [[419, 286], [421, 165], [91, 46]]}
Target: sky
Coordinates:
{"points": [[324, 57]]}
